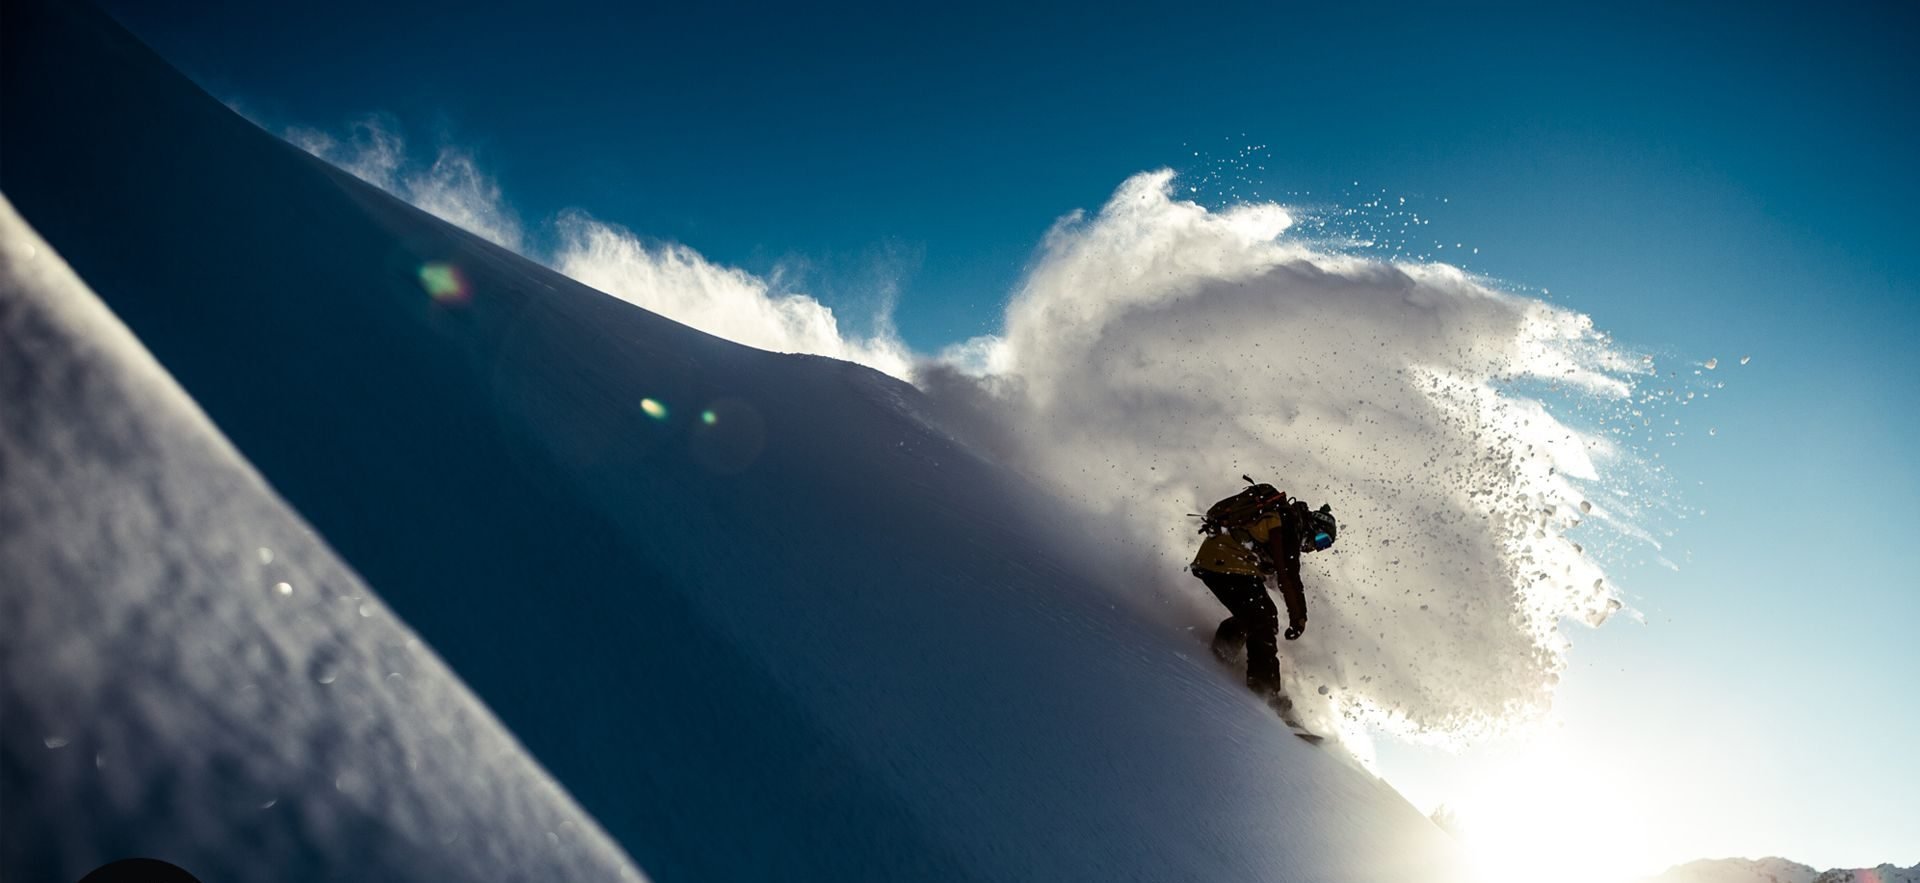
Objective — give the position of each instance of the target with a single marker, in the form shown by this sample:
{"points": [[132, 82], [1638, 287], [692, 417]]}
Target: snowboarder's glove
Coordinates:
{"points": [[1293, 631]]}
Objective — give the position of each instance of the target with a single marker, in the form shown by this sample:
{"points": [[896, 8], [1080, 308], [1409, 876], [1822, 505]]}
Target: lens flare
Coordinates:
{"points": [[730, 437], [444, 283], [654, 408]]}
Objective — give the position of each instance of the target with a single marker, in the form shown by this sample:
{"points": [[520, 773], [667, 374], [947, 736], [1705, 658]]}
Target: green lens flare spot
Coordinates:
{"points": [[443, 282], [709, 418], [654, 409]]}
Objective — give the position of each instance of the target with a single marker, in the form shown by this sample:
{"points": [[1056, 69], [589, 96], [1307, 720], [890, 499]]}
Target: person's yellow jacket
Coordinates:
{"points": [[1237, 551]]}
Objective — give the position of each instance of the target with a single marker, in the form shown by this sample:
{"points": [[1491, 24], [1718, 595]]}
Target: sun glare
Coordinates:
{"points": [[1550, 814]]}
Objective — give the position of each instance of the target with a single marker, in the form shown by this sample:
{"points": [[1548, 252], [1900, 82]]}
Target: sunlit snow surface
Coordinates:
{"points": [[187, 673]]}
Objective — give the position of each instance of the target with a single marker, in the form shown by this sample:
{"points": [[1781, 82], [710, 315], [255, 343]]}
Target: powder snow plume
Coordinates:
{"points": [[1158, 350]]}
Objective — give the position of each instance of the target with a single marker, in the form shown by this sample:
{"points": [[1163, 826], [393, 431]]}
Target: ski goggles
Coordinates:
{"points": [[1321, 540]]}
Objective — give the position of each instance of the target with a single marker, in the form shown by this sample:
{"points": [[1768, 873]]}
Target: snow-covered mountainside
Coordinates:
{"points": [[755, 612], [1737, 870], [187, 673], [1779, 870], [1883, 873]]}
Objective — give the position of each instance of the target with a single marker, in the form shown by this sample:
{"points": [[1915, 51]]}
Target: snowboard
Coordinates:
{"points": [[1286, 717]]}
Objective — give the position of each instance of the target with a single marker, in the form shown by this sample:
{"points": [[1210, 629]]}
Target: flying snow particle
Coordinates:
{"points": [[1745, 359], [283, 588], [324, 667], [1712, 364]]}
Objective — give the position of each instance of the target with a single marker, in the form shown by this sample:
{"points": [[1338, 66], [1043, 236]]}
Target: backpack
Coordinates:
{"points": [[1246, 507]]}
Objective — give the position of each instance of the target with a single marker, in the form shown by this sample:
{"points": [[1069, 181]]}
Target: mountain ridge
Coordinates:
{"points": [[1773, 869]]}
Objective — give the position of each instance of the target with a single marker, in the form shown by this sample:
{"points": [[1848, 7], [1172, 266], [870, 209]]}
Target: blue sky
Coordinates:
{"points": [[1710, 181]]}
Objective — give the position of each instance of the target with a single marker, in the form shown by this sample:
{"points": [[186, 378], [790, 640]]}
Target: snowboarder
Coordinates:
{"points": [[1249, 535]]}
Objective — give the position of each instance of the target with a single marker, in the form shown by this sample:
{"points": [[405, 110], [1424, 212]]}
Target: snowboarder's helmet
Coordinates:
{"points": [[1321, 530]]}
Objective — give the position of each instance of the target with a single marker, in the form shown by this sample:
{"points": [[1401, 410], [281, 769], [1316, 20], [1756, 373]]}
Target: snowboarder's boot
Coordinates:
{"points": [[1229, 640], [1282, 705], [1278, 700], [1269, 691]]}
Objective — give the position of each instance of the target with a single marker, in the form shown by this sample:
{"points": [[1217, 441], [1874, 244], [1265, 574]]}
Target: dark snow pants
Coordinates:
{"points": [[1255, 621]]}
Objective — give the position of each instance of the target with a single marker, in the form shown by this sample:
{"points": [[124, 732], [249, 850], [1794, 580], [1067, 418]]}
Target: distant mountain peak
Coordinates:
{"points": [[1779, 870]]}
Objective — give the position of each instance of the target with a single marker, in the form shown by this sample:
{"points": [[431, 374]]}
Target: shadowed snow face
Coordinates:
{"points": [[1157, 351]]}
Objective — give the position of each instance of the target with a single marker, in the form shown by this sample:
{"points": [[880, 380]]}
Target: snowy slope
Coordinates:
{"points": [[187, 673], [807, 637]]}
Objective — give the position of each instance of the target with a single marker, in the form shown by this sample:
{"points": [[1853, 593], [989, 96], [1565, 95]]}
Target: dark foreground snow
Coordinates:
{"points": [[187, 673], [760, 617]]}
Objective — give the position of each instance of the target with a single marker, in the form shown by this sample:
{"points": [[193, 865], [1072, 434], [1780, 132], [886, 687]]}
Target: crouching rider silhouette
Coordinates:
{"points": [[1251, 534]]}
